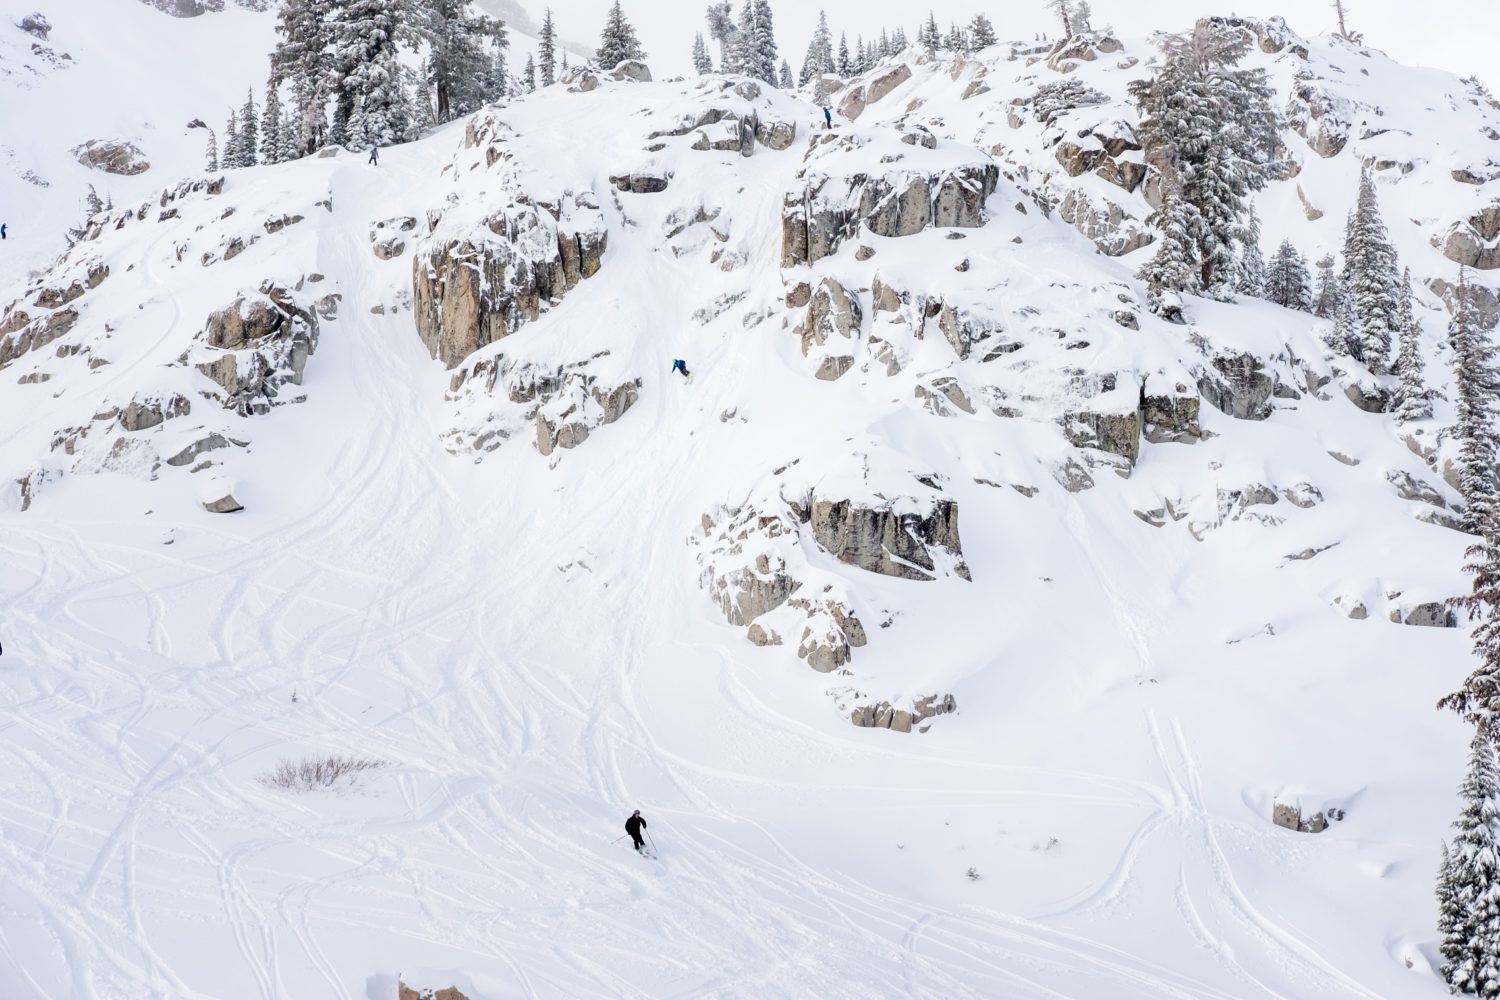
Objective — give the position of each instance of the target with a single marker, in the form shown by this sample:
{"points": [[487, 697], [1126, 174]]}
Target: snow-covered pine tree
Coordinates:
{"points": [[548, 41], [370, 101], [1215, 126], [957, 41], [496, 83], [231, 155], [423, 117], [721, 28], [1338, 6], [1450, 913], [844, 66], [930, 36], [885, 44], [1412, 400], [1174, 267], [784, 78], [1064, 10], [819, 58], [1471, 892], [703, 63], [766, 59], [1251, 264], [458, 59], [1083, 17], [618, 42], [1287, 282], [1329, 289], [981, 32], [864, 58], [1371, 278], [291, 138], [270, 127], [528, 75], [211, 153], [303, 53], [1476, 384], [249, 131], [898, 40]]}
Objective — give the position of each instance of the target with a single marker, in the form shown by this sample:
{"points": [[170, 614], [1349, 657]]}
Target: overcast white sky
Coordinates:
{"points": [[1458, 35]]}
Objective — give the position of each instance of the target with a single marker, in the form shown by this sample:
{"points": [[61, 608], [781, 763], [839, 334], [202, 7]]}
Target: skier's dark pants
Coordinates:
{"points": [[639, 843]]}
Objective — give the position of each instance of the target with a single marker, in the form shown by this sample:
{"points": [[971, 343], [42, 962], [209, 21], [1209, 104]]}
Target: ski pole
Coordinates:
{"points": [[653, 842], [618, 839]]}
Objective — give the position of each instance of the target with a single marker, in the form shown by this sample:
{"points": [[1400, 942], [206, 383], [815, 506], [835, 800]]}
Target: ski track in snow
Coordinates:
{"points": [[519, 731]]}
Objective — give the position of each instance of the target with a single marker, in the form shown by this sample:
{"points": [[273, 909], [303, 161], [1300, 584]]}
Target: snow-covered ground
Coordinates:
{"points": [[1140, 668]]}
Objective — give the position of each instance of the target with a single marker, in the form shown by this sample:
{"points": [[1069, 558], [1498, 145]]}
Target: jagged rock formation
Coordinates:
{"points": [[883, 715], [830, 209], [560, 405], [256, 345]]}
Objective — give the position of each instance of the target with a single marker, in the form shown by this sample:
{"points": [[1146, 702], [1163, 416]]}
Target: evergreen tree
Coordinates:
{"points": [[548, 40], [721, 28], [957, 41], [784, 77], [885, 44], [1173, 267], [618, 42], [844, 66], [232, 141], [1412, 400], [423, 117], [458, 59], [270, 128], [1064, 10], [1214, 127], [1469, 892], [1329, 288], [370, 100], [898, 40], [1343, 337], [1287, 282], [211, 154], [1371, 279], [930, 37], [249, 132], [703, 64], [1083, 17], [528, 75], [291, 138], [1252, 265], [819, 58], [496, 83], [1476, 384], [755, 42], [864, 56], [981, 32]]}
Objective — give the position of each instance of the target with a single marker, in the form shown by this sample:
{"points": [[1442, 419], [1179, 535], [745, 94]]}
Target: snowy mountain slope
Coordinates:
{"points": [[484, 529]]}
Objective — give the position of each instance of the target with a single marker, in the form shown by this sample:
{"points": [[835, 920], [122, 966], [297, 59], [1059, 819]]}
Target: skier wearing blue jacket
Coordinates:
{"points": [[679, 365]]}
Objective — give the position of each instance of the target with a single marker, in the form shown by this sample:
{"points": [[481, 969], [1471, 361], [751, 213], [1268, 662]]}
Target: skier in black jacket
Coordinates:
{"points": [[633, 826]]}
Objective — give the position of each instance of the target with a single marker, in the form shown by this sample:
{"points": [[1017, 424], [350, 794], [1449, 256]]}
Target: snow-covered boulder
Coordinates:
{"points": [[112, 157], [255, 346]]}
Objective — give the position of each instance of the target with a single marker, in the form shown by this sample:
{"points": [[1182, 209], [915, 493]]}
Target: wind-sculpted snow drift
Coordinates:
{"points": [[390, 464]]}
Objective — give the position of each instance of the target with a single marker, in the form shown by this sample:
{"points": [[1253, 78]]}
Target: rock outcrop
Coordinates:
{"points": [[498, 398], [255, 346], [474, 288], [884, 715], [895, 538], [112, 157], [829, 331], [1239, 386], [831, 210]]}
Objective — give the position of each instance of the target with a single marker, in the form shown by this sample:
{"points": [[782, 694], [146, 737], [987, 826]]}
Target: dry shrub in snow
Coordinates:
{"points": [[312, 773]]}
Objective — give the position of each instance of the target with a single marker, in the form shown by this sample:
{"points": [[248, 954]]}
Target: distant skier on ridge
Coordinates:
{"points": [[375, 156], [633, 826], [827, 117]]}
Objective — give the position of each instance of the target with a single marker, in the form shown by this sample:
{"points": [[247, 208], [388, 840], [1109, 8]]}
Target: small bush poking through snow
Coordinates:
{"points": [[972, 874], [313, 773]]}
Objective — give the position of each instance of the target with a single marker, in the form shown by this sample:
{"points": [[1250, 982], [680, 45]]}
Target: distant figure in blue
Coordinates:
{"points": [[679, 365], [2, 230], [375, 155], [827, 117]]}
